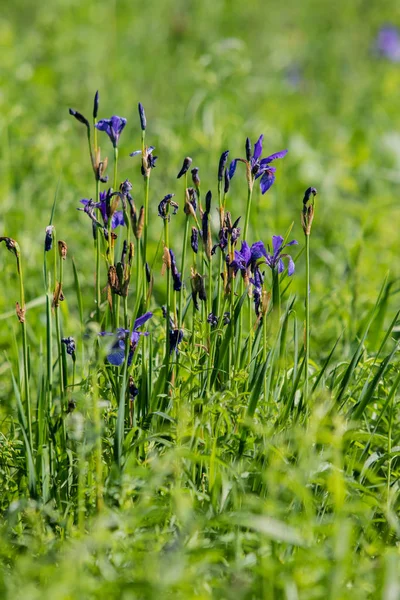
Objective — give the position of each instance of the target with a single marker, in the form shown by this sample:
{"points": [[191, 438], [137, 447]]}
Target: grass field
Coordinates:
{"points": [[232, 460]]}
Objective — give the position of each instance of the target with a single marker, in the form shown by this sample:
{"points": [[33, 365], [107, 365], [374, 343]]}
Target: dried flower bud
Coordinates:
{"points": [[140, 223], [142, 117], [195, 177], [194, 240], [20, 310], [11, 245], [62, 249], [185, 167]]}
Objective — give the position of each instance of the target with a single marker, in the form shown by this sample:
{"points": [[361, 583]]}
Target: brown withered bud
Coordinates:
{"points": [[11, 245], [20, 312], [265, 302], [198, 288], [99, 167], [113, 279], [140, 224], [58, 295], [166, 260], [191, 202], [62, 249]]}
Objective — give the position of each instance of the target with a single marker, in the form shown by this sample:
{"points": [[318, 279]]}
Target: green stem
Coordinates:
{"points": [[307, 323], [185, 238], [247, 219], [25, 351]]}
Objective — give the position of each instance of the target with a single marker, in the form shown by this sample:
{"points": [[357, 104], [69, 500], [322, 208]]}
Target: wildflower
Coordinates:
{"points": [[258, 167], [116, 356], [176, 276], [226, 318], [242, 259], [164, 205], [185, 167], [48, 240], [148, 160], [113, 128], [175, 338], [70, 346], [276, 258], [212, 319], [105, 207], [388, 42]]}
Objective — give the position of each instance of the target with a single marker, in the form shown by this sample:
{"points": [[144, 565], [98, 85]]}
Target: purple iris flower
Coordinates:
{"points": [[259, 167], [276, 258], [113, 128], [118, 216], [116, 356], [388, 42]]}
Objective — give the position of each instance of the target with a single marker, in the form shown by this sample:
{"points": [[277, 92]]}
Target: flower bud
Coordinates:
{"points": [[96, 105], [142, 117], [222, 164], [79, 117]]}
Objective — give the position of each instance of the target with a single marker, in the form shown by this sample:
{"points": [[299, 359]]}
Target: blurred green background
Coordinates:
{"points": [[209, 73]]}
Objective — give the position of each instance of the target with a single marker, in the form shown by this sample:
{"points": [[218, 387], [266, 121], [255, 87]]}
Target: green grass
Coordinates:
{"points": [[247, 491]]}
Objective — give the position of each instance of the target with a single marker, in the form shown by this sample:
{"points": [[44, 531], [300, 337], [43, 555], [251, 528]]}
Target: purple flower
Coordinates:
{"points": [[103, 204], [388, 42], [70, 345], [276, 258], [113, 128], [259, 167], [242, 259], [116, 355]]}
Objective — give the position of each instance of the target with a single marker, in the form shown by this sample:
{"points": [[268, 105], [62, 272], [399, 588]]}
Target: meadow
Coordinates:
{"points": [[199, 316]]}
